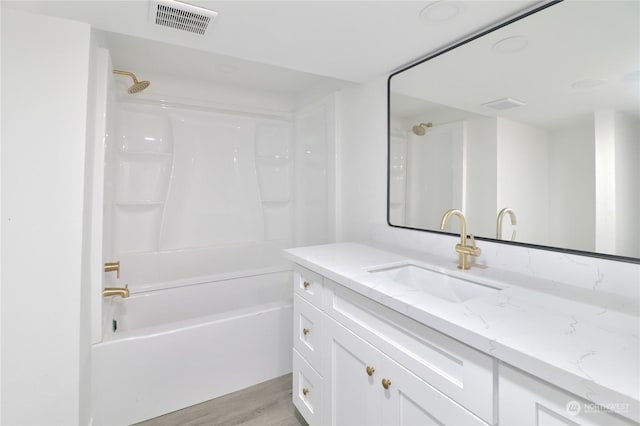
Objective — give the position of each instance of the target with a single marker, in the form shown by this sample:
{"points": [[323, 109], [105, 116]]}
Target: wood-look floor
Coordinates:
{"points": [[265, 404]]}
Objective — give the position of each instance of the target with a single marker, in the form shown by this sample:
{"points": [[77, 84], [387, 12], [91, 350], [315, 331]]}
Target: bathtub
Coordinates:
{"points": [[180, 342]]}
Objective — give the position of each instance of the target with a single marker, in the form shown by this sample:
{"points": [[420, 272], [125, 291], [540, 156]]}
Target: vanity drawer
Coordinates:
{"points": [[307, 331], [455, 369], [308, 285], [307, 390]]}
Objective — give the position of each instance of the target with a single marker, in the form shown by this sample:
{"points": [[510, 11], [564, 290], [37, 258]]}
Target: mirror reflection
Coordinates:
{"points": [[532, 130]]}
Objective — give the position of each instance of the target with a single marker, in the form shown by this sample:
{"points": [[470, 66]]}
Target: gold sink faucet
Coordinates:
{"points": [[116, 291], [462, 248], [512, 216]]}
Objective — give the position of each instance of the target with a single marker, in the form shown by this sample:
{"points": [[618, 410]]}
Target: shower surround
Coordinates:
{"points": [[199, 201], [184, 178]]}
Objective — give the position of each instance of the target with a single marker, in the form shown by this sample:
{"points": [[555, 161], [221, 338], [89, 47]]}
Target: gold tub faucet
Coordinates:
{"points": [[116, 291], [462, 248]]}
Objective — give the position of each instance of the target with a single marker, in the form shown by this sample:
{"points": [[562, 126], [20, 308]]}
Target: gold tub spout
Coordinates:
{"points": [[116, 291], [462, 249]]}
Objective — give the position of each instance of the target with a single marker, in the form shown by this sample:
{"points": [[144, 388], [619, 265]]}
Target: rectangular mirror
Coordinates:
{"points": [[532, 129]]}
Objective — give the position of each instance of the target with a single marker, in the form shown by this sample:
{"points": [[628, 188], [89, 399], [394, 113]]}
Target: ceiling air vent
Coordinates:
{"points": [[181, 16], [504, 103]]}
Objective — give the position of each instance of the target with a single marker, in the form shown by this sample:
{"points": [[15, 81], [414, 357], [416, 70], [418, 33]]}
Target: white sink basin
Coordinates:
{"points": [[437, 284]]}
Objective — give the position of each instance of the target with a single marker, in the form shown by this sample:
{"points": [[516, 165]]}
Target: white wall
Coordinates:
{"points": [[481, 185], [627, 142], [571, 165], [362, 159], [605, 179], [522, 178], [45, 66]]}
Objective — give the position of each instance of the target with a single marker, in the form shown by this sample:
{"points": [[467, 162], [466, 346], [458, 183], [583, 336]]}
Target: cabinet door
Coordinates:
{"points": [[353, 394], [408, 400], [525, 400]]}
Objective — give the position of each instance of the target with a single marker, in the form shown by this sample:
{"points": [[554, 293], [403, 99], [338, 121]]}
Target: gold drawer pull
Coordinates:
{"points": [[305, 391], [306, 284], [386, 383], [370, 370], [305, 331]]}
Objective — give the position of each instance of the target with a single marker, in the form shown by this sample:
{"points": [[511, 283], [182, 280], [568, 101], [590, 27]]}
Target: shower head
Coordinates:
{"points": [[137, 86], [421, 129]]}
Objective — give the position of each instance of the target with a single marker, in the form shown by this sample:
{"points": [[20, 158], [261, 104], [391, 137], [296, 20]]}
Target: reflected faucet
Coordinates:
{"points": [[462, 248], [116, 291], [512, 215]]}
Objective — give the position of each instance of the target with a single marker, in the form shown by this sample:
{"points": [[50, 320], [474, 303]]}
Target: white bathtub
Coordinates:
{"points": [[179, 344]]}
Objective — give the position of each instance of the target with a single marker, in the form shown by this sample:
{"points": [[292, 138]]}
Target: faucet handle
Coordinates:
{"points": [[475, 250], [113, 266]]}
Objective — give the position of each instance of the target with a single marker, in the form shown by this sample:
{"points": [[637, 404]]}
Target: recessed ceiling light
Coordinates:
{"points": [[440, 11], [511, 44], [226, 68], [588, 83]]}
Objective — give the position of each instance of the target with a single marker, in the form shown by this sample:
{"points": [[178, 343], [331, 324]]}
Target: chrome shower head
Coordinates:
{"points": [[137, 86], [421, 129]]}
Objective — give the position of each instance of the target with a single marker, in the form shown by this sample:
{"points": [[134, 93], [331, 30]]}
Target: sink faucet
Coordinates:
{"points": [[462, 248], [116, 291], [512, 215]]}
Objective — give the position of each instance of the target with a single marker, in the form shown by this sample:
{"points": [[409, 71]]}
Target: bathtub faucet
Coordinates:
{"points": [[116, 291]]}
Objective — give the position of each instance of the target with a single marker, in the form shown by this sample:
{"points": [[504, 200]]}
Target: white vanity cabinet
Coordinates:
{"points": [[365, 387], [526, 400], [363, 328], [357, 362]]}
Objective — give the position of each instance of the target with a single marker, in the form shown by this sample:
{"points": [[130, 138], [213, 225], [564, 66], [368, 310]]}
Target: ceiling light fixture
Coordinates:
{"points": [[439, 11], [511, 44]]}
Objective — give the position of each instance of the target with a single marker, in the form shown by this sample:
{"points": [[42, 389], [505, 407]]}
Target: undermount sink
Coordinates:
{"points": [[435, 283]]}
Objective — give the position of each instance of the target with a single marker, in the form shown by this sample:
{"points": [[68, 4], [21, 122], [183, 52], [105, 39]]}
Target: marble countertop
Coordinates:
{"points": [[579, 339]]}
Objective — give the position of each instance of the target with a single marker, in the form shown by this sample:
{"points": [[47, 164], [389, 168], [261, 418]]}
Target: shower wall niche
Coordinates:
{"points": [[182, 177]]}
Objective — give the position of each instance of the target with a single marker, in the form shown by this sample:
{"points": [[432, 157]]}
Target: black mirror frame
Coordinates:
{"points": [[512, 243]]}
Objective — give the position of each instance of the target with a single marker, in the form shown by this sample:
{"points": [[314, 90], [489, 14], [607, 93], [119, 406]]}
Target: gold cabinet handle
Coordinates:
{"points": [[305, 331], [370, 370], [305, 391], [306, 284], [386, 383]]}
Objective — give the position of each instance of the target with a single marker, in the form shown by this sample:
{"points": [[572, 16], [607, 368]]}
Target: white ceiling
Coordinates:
{"points": [[344, 40]]}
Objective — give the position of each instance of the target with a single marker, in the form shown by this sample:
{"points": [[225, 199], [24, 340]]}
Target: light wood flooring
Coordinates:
{"points": [[265, 404]]}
